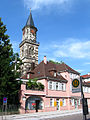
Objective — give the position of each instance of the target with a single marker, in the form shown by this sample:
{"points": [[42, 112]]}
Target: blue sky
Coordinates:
{"points": [[63, 28]]}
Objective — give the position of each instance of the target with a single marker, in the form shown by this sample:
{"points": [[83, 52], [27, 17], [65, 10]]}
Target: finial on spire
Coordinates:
{"points": [[30, 10]]}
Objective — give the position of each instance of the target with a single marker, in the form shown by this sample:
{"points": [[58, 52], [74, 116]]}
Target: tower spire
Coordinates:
{"points": [[30, 21]]}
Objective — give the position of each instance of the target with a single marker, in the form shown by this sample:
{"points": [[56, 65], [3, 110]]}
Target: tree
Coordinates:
{"points": [[9, 87], [56, 62], [34, 85]]}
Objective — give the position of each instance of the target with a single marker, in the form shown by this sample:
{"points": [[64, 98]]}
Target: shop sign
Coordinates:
{"points": [[33, 104]]}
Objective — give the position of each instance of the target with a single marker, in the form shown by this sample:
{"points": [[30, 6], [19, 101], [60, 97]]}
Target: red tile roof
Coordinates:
{"points": [[85, 76], [43, 70]]}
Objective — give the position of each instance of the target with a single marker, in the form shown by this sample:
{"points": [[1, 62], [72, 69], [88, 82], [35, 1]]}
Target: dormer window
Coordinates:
{"points": [[54, 74]]}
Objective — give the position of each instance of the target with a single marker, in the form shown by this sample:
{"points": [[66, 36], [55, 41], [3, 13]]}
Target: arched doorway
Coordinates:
{"points": [[34, 103]]}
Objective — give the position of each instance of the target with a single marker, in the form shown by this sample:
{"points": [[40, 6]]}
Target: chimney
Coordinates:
{"points": [[45, 60], [88, 73]]}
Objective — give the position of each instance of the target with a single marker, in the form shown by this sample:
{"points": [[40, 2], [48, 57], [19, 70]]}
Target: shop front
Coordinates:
{"points": [[34, 103]]}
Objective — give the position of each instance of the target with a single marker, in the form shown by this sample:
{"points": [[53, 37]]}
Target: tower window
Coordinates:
{"points": [[31, 51], [22, 52]]}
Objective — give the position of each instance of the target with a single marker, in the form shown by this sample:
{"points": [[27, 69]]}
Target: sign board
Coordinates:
{"points": [[4, 100], [76, 86]]}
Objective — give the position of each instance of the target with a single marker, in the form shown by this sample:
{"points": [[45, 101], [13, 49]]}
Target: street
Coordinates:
{"points": [[69, 117], [53, 117]]}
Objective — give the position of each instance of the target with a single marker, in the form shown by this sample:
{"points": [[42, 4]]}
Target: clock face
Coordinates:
{"points": [[32, 37], [32, 31]]}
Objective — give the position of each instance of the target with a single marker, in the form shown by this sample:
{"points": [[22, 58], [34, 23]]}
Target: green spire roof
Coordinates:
{"points": [[30, 21]]}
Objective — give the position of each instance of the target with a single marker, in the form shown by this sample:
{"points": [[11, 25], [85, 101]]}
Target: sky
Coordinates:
{"points": [[63, 28]]}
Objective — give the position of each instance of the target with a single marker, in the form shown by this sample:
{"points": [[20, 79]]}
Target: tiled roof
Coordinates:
{"points": [[43, 70], [85, 76], [64, 67]]}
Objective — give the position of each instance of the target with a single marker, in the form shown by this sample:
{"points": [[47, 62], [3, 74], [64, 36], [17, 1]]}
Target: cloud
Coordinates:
{"points": [[79, 70], [70, 48], [87, 63], [38, 4], [73, 49]]}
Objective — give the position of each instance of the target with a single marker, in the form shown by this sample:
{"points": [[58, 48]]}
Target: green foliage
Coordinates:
{"points": [[56, 62], [9, 87], [34, 85]]}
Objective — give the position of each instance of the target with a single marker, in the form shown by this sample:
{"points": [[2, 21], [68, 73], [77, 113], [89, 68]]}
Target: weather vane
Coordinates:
{"points": [[30, 10]]}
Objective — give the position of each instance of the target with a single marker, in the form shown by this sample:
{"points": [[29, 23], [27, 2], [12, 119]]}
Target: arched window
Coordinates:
{"points": [[22, 51], [31, 51]]}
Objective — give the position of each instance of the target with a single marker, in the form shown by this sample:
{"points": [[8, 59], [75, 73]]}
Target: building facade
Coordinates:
{"points": [[56, 79], [57, 93]]}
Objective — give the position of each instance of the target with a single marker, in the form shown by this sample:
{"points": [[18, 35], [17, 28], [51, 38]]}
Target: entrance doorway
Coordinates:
{"points": [[34, 103], [37, 105], [58, 104]]}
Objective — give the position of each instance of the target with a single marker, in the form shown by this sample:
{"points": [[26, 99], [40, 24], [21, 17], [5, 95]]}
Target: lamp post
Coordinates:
{"points": [[84, 102]]}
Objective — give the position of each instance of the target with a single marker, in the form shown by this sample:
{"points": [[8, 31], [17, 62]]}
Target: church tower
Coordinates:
{"points": [[29, 46]]}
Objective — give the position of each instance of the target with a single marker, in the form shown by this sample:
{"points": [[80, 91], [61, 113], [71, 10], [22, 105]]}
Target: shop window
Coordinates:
{"points": [[33, 102], [51, 102]]}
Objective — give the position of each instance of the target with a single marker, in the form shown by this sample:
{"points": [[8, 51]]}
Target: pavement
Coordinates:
{"points": [[40, 115]]}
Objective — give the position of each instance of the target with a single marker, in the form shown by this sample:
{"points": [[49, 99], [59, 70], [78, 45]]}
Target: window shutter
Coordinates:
{"points": [[64, 87], [53, 85], [70, 87], [48, 84]]}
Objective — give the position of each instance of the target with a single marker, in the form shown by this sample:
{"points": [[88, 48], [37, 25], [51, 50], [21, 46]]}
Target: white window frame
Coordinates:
{"points": [[53, 85], [50, 85], [60, 86], [57, 86], [64, 87]]}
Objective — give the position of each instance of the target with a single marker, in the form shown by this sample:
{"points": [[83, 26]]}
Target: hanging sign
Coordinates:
{"points": [[76, 85]]}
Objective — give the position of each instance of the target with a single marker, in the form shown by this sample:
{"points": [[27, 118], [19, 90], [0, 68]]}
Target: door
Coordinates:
{"points": [[76, 104], [37, 105], [58, 105]]}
